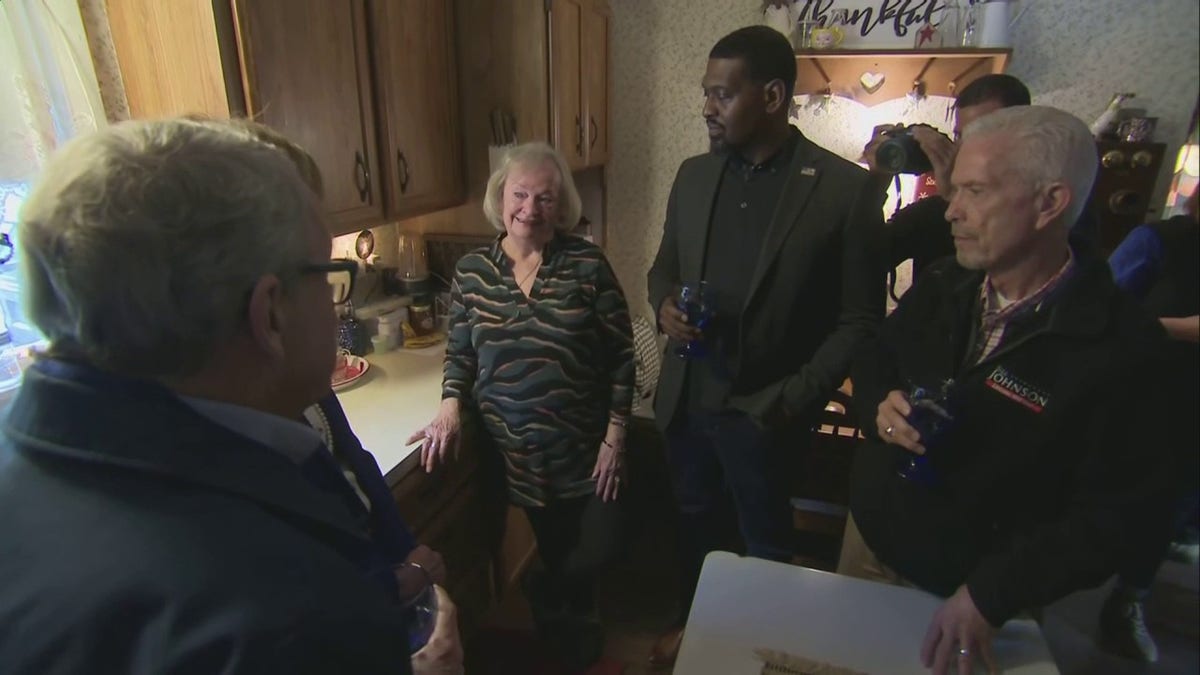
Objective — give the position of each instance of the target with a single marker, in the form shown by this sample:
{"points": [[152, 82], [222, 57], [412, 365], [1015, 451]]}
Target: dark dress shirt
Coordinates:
{"points": [[746, 200]]}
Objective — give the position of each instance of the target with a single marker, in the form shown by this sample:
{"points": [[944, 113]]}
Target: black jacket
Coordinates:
{"points": [[1054, 470], [816, 291], [139, 537]]}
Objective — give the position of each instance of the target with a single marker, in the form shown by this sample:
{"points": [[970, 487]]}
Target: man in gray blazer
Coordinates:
{"points": [[786, 236]]}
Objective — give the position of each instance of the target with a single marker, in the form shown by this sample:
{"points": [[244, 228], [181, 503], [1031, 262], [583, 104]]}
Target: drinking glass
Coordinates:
{"points": [[932, 417], [418, 600], [802, 36], [695, 301]]}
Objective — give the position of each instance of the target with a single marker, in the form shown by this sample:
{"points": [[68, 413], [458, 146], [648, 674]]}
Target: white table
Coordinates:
{"points": [[746, 603]]}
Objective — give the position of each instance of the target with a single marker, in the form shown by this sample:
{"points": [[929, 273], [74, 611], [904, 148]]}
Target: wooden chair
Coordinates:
{"points": [[821, 492]]}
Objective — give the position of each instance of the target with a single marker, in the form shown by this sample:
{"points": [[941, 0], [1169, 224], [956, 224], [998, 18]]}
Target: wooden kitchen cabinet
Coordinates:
{"points": [[461, 511], [368, 87], [418, 104], [597, 21], [306, 73], [579, 62]]}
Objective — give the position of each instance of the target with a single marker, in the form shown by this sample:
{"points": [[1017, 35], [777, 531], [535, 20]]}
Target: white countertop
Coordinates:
{"points": [[399, 394], [745, 603]]}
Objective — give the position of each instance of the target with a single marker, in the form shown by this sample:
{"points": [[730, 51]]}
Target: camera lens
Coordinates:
{"points": [[902, 154], [891, 156]]}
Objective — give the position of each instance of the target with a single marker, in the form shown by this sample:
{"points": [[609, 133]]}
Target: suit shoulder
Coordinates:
{"points": [[842, 167], [701, 162]]}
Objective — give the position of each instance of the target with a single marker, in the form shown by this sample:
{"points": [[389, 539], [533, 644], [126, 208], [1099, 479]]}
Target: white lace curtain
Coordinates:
{"points": [[47, 83]]}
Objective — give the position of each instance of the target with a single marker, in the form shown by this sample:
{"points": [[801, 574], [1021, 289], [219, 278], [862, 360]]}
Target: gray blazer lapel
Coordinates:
{"points": [[803, 176], [695, 213]]}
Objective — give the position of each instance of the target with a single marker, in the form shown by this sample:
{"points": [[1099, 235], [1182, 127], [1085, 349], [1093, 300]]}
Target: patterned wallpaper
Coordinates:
{"points": [[1073, 54]]}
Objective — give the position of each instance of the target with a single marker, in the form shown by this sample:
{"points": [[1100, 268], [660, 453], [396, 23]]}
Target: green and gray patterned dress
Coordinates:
{"points": [[546, 372]]}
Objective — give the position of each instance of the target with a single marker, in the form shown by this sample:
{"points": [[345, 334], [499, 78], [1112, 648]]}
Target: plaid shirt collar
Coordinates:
{"points": [[992, 313], [994, 319]]}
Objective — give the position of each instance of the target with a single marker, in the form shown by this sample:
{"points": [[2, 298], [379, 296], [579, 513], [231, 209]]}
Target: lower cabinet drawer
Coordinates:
{"points": [[423, 497], [460, 531], [471, 592]]}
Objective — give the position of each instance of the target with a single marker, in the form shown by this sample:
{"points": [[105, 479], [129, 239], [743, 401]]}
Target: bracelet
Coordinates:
{"points": [[618, 423], [620, 451]]}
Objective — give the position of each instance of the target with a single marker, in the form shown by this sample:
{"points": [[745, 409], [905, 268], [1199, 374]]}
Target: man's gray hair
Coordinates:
{"points": [[140, 243], [1045, 145], [527, 156]]}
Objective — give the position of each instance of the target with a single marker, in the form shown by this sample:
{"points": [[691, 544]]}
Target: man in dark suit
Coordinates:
{"points": [[784, 234], [165, 509]]}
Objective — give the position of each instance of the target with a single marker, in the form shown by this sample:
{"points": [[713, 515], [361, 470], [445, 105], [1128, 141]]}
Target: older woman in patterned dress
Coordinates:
{"points": [[540, 345]]}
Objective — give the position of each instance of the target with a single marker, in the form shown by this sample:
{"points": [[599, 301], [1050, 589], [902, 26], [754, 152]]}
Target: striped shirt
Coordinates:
{"points": [[546, 372]]}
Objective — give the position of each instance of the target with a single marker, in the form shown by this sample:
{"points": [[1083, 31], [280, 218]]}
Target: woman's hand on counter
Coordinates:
{"points": [[443, 654], [439, 435], [610, 464]]}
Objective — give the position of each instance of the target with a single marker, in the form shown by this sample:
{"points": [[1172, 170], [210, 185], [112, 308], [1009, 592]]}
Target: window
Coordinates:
{"points": [[51, 94], [13, 328]]}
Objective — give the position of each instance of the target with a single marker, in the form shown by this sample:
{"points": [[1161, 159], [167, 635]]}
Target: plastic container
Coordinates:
{"points": [[383, 342], [389, 324]]}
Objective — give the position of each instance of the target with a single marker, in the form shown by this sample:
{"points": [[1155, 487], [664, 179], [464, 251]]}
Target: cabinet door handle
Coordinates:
{"points": [[362, 177], [578, 136], [402, 170], [595, 131]]}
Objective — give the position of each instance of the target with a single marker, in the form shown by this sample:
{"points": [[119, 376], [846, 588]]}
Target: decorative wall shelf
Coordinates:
{"points": [[873, 76]]}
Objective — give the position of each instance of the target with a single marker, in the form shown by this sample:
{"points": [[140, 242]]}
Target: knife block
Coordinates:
{"points": [[496, 155]]}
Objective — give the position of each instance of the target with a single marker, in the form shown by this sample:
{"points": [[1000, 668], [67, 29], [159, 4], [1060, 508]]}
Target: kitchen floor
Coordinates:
{"points": [[637, 600]]}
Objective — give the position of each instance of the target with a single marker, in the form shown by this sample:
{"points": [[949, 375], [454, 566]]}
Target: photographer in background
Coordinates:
{"points": [[920, 230]]}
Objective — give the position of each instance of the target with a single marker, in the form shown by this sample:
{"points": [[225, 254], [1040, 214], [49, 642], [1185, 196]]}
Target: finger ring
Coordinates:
{"points": [[618, 479], [963, 651], [889, 430]]}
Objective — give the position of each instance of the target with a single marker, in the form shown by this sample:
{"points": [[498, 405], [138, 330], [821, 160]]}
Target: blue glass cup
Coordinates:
{"points": [[695, 301], [418, 600], [931, 416]]}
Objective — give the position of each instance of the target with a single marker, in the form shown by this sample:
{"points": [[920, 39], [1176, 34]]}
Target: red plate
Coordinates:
{"points": [[348, 370]]}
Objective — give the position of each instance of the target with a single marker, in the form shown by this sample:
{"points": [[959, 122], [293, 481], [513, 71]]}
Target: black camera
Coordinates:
{"points": [[901, 153]]}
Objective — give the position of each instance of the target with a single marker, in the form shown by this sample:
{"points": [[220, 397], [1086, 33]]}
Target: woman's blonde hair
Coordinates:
{"points": [[528, 155]]}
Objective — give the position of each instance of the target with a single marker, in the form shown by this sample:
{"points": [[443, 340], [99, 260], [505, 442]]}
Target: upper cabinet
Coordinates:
{"points": [[306, 73], [368, 87], [596, 21], [578, 64], [418, 104]]}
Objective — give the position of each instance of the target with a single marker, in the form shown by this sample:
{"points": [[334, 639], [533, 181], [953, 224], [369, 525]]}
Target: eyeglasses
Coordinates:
{"points": [[339, 273]]}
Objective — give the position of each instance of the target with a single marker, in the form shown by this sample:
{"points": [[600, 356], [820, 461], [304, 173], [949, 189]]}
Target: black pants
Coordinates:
{"points": [[577, 539], [720, 458]]}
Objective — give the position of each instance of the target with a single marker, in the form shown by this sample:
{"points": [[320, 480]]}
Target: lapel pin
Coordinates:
{"points": [[807, 171]]}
